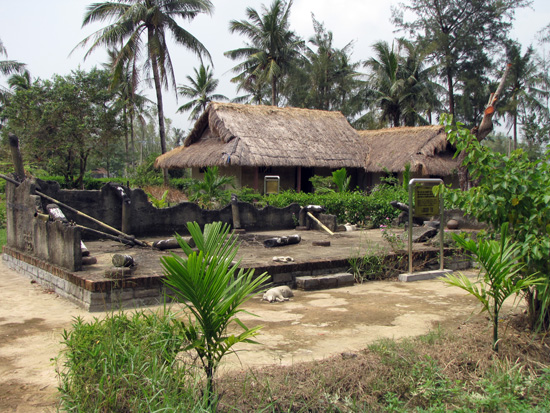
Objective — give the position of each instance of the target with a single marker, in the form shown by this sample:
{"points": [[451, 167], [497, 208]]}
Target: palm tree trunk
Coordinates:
{"points": [[274, 91], [158, 89], [160, 107], [515, 131], [451, 92]]}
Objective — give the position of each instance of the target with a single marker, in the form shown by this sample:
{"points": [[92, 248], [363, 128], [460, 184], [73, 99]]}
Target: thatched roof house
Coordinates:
{"points": [[255, 142], [425, 148], [243, 135], [250, 142]]}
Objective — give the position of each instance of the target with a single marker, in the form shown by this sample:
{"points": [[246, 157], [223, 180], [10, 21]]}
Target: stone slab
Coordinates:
{"points": [[324, 282], [424, 275]]}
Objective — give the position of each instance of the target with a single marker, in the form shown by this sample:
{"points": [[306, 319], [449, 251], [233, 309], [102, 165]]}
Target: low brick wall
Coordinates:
{"points": [[90, 295]]}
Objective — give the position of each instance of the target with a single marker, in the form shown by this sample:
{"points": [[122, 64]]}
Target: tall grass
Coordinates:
{"points": [[126, 363]]}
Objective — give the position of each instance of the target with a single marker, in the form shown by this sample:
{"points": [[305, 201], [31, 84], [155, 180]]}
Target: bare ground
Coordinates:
{"points": [[312, 325]]}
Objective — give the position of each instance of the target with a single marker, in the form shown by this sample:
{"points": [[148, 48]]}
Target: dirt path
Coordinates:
{"points": [[310, 326]]}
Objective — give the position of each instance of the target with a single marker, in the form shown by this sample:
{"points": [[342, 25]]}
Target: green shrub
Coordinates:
{"points": [[246, 194], [352, 207]]}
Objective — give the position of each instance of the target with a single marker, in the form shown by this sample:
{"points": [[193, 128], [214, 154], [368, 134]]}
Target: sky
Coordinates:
{"points": [[43, 33]]}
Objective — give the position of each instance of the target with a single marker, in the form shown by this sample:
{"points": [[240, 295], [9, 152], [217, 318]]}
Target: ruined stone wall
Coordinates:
{"points": [[141, 218], [55, 242]]}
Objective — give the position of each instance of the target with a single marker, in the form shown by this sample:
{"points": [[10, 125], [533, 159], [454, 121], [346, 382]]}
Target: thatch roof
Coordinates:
{"points": [[244, 135], [424, 147]]}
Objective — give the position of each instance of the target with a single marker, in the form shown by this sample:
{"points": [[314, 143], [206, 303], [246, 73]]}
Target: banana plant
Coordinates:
{"points": [[501, 271], [213, 288]]}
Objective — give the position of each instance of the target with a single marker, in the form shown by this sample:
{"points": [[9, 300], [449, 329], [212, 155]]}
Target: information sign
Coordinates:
{"points": [[427, 204]]}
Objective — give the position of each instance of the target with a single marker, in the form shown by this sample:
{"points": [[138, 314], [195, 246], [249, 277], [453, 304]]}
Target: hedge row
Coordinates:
{"points": [[352, 207]]}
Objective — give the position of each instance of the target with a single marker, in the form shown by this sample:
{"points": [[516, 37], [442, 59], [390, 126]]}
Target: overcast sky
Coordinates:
{"points": [[42, 33]]}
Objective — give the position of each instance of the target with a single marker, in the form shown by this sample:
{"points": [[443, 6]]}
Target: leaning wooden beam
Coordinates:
{"points": [[82, 214], [105, 235], [309, 214]]}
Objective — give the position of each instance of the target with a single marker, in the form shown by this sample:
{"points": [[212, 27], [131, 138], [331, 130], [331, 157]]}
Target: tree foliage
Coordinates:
{"points": [[459, 34], [517, 195], [201, 90], [501, 265], [272, 48], [145, 24], [64, 122]]}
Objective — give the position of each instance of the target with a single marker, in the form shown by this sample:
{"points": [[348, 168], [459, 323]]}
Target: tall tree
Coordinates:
{"points": [[201, 90], [8, 67], [145, 24], [524, 95], [326, 79], [272, 48], [456, 30], [65, 121], [389, 87]]}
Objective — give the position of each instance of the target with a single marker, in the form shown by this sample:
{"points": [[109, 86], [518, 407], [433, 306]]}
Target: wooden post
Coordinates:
{"points": [[299, 180], [16, 156], [256, 179]]}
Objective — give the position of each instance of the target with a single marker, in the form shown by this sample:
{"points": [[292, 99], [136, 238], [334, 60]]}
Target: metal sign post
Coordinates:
{"points": [[425, 205]]}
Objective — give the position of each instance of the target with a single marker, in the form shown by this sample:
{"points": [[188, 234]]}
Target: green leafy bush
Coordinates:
{"points": [[352, 207], [518, 194]]}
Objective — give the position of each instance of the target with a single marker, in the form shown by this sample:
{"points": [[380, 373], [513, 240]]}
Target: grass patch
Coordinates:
{"points": [[436, 373], [132, 363], [125, 363], [3, 237]]}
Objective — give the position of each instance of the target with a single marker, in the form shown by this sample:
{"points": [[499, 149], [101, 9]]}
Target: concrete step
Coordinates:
{"points": [[324, 282]]}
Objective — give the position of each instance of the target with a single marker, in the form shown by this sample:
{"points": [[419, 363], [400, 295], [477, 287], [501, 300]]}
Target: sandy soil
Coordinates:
{"points": [[311, 325]]}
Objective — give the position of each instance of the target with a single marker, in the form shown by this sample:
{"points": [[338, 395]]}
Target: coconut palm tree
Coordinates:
{"points": [[201, 90], [8, 67], [389, 88], [142, 27], [524, 94], [272, 46]]}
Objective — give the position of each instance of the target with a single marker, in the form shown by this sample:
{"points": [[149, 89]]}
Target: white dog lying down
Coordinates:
{"points": [[279, 294]]}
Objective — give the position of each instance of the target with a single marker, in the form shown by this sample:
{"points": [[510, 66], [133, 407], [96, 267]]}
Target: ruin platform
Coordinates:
{"points": [[91, 290]]}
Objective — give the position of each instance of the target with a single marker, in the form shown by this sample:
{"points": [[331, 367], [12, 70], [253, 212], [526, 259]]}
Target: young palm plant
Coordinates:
{"points": [[341, 179], [211, 192], [501, 265], [211, 286]]}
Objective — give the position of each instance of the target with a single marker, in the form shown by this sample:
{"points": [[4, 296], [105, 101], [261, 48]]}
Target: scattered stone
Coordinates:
{"points": [[172, 243], [346, 355], [302, 228], [321, 243], [421, 234], [278, 294], [121, 260], [283, 259], [452, 224]]}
